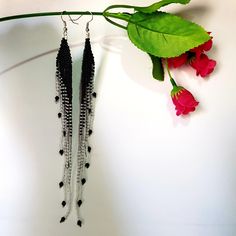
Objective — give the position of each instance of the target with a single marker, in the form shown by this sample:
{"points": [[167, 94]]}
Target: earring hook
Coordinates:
{"points": [[91, 17], [65, 25], [87, 25], [74, 20]]}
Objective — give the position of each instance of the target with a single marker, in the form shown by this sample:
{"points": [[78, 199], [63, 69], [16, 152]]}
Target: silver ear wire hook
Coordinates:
{"points": [[87, 25], [65, 26], [74, 20]]}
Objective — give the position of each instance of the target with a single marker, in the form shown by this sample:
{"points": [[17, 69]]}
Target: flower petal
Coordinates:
{"points": [[203, 65]]}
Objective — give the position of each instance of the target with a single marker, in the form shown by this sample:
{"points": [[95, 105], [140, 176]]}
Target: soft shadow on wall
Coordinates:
{"points": [[31, 113]]}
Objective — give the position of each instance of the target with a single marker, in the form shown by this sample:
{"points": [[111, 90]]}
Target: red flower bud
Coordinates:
{"points": [[183, 100]]}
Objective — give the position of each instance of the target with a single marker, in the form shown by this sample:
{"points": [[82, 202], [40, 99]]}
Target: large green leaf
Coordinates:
{"points": [[157, 69], [164, 35], [155, 6]]}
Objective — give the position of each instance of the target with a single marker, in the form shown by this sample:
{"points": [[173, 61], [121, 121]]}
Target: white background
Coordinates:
{"points": [[152, 173]]}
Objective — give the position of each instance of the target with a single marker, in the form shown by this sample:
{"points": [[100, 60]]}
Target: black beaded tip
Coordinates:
{"points": [[79, 203], [61, 184], [79, 223], [61, 152], [89, 149], [56, 98], [90, 132], [94, 94], [64, 133], [83, 181], [87, 165], [62, 219], [63, 203], [89, 111], [59, 115]]}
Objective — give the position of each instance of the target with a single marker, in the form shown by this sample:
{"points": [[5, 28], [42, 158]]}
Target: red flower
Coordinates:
{"points": [[196, 58], [202, 48], [177, 61], [183, 100], [203, 65]]}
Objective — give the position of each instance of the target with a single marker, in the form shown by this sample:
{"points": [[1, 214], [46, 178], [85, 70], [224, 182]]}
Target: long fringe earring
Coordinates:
{"points": [[87, 96], [64, 97]]}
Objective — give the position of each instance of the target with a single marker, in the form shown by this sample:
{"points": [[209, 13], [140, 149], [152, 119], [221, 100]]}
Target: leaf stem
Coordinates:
{"points": [[114, 23], [119, 6], [120, 16]]}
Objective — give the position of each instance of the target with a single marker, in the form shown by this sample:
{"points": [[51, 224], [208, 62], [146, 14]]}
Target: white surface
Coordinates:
{"points": [[152, 173]]}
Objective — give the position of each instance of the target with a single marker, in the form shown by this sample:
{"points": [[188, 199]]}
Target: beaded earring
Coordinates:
{"points": [[64, 97], [86, 102]]}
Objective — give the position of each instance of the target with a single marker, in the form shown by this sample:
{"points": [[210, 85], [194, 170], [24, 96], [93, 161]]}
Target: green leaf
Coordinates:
{"points": [[157, 71], [164, 35], [155, 6]]}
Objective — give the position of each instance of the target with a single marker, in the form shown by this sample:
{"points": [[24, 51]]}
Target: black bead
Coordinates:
{"points": [[63, 203], [87, 165], [79, 223], [79, 203], [90, 132], [83, 181], [64, 133], [89, 149], [59, 115], [94, 94], [61, 184], [56, 98], [62, 219], [61, 152]]}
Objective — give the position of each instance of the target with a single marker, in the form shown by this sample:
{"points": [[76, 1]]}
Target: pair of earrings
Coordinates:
{"points": [[86, 100]]}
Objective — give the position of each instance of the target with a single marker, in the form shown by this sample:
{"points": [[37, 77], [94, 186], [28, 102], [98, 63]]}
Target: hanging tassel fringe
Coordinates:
{"points": [[87, 96], [64, 96]]}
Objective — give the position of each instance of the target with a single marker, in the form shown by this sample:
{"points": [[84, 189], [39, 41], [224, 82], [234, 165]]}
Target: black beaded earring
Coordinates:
{"points": [[86, 102], [64, 97]]}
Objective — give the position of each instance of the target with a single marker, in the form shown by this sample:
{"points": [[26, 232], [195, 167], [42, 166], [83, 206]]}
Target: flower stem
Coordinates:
{"points": [[171, 78], [39, 14], [173, 82], [121, 16]]}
